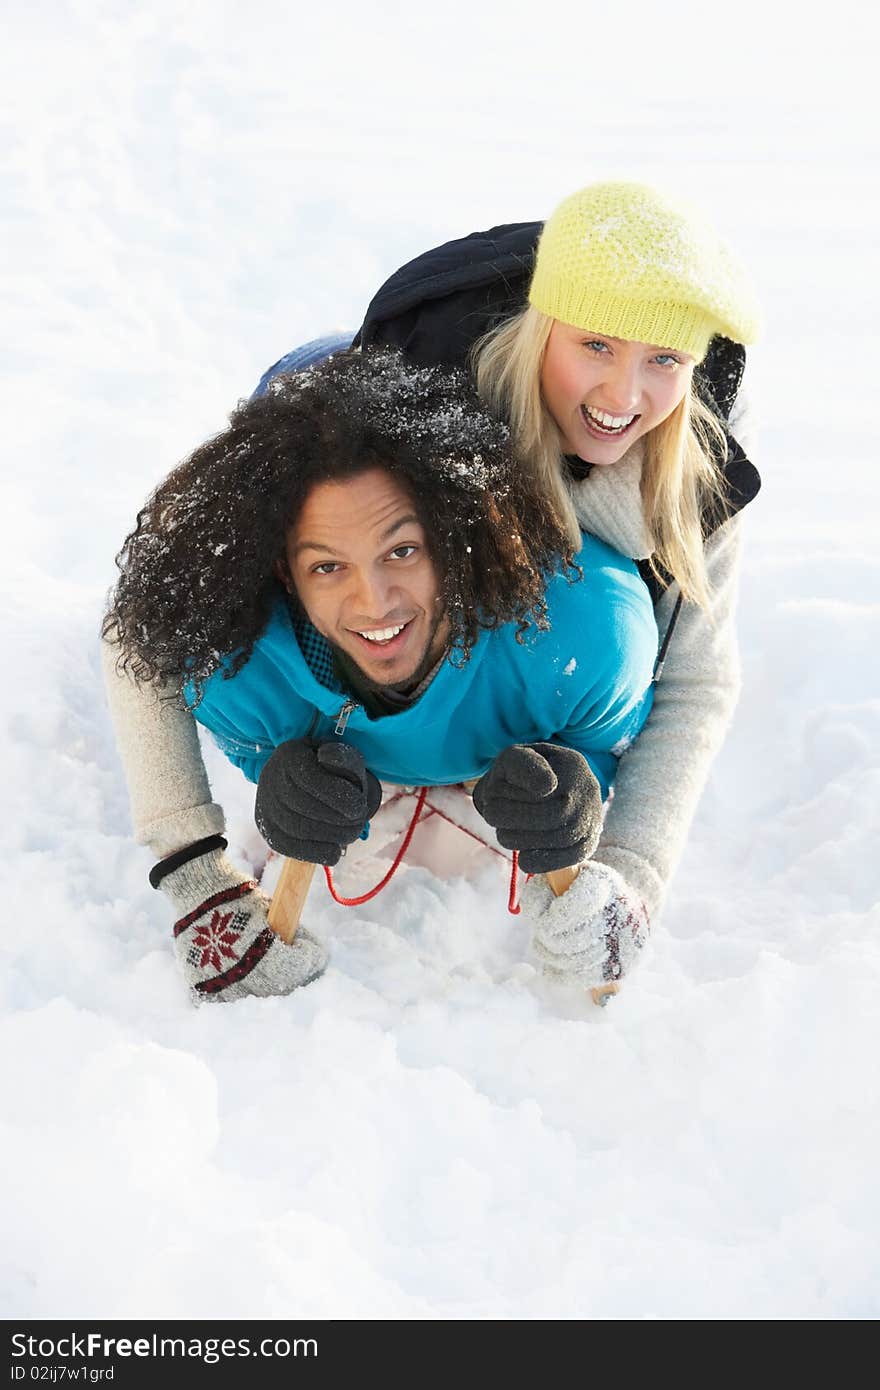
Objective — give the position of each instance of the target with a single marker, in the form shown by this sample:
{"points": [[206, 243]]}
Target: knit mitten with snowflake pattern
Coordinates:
{"points": [[222, 937]]}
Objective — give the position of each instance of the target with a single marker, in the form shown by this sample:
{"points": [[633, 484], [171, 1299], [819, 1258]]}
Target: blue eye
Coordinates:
{"points": [[666, 357], [594, 343]]}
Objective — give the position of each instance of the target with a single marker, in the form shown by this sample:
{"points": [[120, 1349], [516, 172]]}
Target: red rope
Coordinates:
{"points": [[435, 811], [365, 897], [512, 898]]}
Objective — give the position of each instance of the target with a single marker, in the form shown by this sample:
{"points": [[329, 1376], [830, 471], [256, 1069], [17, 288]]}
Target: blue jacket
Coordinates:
{"points": [[585, 683]]}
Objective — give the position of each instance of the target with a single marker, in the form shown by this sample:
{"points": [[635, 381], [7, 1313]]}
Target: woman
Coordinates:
{"points": [[592, 351]]}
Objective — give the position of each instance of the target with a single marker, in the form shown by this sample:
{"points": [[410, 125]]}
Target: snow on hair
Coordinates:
{"points": [[199, 573]]}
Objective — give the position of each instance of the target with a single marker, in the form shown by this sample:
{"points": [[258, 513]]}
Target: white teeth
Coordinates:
{"points": [[610, 422], [382, 634]]}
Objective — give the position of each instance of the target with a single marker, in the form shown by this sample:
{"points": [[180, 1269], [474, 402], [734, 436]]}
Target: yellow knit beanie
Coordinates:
{"points": [[622, 259]]}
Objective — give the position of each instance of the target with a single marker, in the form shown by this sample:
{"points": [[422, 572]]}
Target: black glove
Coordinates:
{"points": [[544, 801], [315, 798]]}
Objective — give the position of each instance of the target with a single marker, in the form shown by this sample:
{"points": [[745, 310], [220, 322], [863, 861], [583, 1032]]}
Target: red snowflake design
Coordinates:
{"points": [[216, 938]]}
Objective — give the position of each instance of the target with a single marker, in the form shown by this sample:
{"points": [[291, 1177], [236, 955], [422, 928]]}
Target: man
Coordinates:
{"points": [[357, 581]]}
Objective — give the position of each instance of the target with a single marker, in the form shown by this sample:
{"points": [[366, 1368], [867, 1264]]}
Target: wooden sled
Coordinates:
{"points": [[295, 881]]}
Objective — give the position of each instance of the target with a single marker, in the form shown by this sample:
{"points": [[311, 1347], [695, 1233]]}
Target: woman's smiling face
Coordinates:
{"points": [[604, 393]]}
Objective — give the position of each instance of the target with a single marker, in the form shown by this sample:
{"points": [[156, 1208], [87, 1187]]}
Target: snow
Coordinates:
{"points": [[429, 1131]]}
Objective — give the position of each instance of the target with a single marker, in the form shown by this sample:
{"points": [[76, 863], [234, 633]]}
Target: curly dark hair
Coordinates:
{"points": [[197, 574]]}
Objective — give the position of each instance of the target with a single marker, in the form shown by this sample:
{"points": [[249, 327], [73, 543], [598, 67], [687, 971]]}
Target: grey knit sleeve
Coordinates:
{"points": [[661, 777], [158, 745]]}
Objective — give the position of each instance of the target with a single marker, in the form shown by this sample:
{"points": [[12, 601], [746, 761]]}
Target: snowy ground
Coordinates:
{"points": [[427, 1131]]}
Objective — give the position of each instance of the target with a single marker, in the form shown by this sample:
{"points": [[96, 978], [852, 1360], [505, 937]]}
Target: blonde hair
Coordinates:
{"points": [[680, 472]]}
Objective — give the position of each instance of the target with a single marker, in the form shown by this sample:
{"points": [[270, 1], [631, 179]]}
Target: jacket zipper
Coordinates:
{"points": [[343, 716]]}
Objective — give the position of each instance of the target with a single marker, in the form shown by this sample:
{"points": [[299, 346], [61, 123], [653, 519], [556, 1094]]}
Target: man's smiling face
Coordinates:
{"points": [[359, 560]]}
